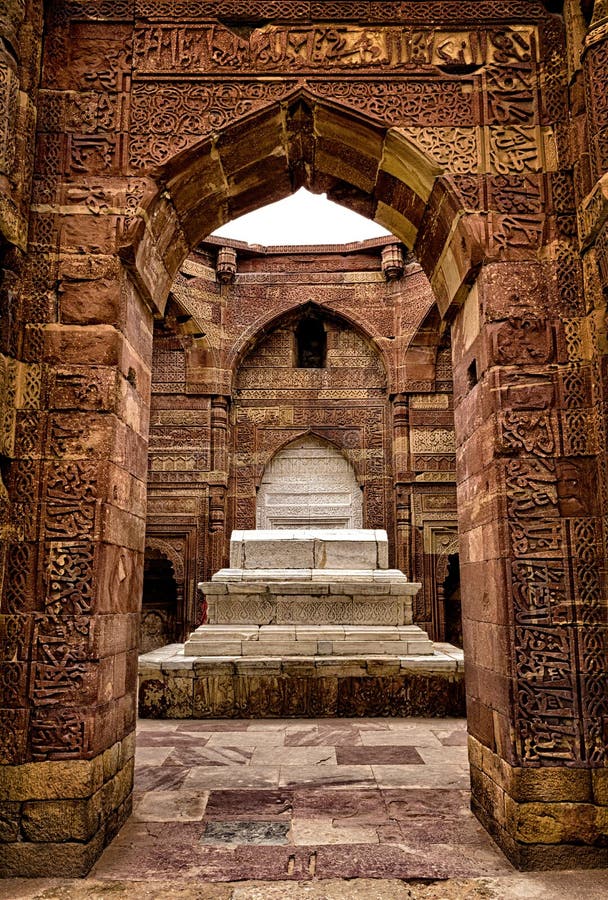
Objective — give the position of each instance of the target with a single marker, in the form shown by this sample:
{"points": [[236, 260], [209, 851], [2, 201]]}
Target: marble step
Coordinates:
{"points": [[321, 640], [243, 580]]}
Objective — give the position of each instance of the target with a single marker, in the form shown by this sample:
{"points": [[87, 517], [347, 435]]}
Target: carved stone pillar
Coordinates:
{"points": [[534, 606], [219, 433], [401, 455], [401, 431], [72, 596], [20, 30], [595, 63], [217, 490], [403, 527]]}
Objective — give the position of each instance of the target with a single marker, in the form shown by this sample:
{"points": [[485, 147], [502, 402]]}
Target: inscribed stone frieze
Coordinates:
{"points": [[212, 48]]}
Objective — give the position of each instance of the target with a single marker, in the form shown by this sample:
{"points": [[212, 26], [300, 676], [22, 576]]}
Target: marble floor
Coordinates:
{"points": [[299, 800]]}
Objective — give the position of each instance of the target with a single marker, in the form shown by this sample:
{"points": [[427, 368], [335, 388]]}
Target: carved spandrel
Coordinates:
{"points": [[454, 148], [404, 103], [195, 108]]}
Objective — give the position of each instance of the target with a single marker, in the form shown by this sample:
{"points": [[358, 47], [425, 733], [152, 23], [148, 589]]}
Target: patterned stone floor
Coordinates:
{"points": [[300, 800], [363, 809]]}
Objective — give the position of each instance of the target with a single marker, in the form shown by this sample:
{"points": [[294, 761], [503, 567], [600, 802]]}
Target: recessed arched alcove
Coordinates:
{"points": [[159, 602], [337, 415], [309, 484]]}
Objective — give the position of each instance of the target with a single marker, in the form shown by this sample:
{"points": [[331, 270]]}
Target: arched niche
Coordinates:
{"points": [[162, 596], [307, 484], [344, 404]]}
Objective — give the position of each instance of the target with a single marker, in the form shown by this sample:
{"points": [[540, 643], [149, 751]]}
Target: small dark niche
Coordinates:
{"points": [[311, 343], [472, 377]]}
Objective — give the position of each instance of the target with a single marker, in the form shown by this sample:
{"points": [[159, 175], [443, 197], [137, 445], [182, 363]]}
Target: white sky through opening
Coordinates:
{"points": [[302, 218]]}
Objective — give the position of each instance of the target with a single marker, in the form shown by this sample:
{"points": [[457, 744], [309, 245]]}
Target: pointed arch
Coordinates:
{"points": [[266, 325], [303, 141], [309, 483]]}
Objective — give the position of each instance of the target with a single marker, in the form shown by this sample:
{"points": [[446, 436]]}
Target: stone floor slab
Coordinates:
{"points": [[581, 885], [362, 806], [170, 806], [311, 832], [327, 776], [205, 813], [313, 735], [250, 805], [238, 833], [210, 755], [379, 756], [428, 777], [155, 755], [402, 737], [295, 756], [231, 777]]}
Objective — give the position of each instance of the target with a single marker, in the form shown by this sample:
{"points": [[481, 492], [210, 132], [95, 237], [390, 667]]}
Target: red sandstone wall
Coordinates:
{"points": [[226, 397]]}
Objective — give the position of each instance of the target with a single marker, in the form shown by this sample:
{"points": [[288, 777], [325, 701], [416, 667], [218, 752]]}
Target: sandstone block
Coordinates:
{"points": [[36, 860], [62, 820], [10, 815], [548, 783], [557, 823], [51, 780], [600, 786]]}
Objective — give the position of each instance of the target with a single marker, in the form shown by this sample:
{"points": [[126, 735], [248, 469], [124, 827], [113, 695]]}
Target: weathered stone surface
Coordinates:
{"points": [[306, 548], [477, 133], [263, 686]]}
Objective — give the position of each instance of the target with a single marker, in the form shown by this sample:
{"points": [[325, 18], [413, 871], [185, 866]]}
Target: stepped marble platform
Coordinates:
{"points": [[309, 592], [328, 633], [308, 640]]}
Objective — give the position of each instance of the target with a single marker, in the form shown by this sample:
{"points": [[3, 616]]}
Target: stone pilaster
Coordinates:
{"points": [[533, 596]]}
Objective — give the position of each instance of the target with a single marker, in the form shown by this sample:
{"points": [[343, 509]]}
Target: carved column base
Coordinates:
{"points": [[541, 818], [59, 815]]}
